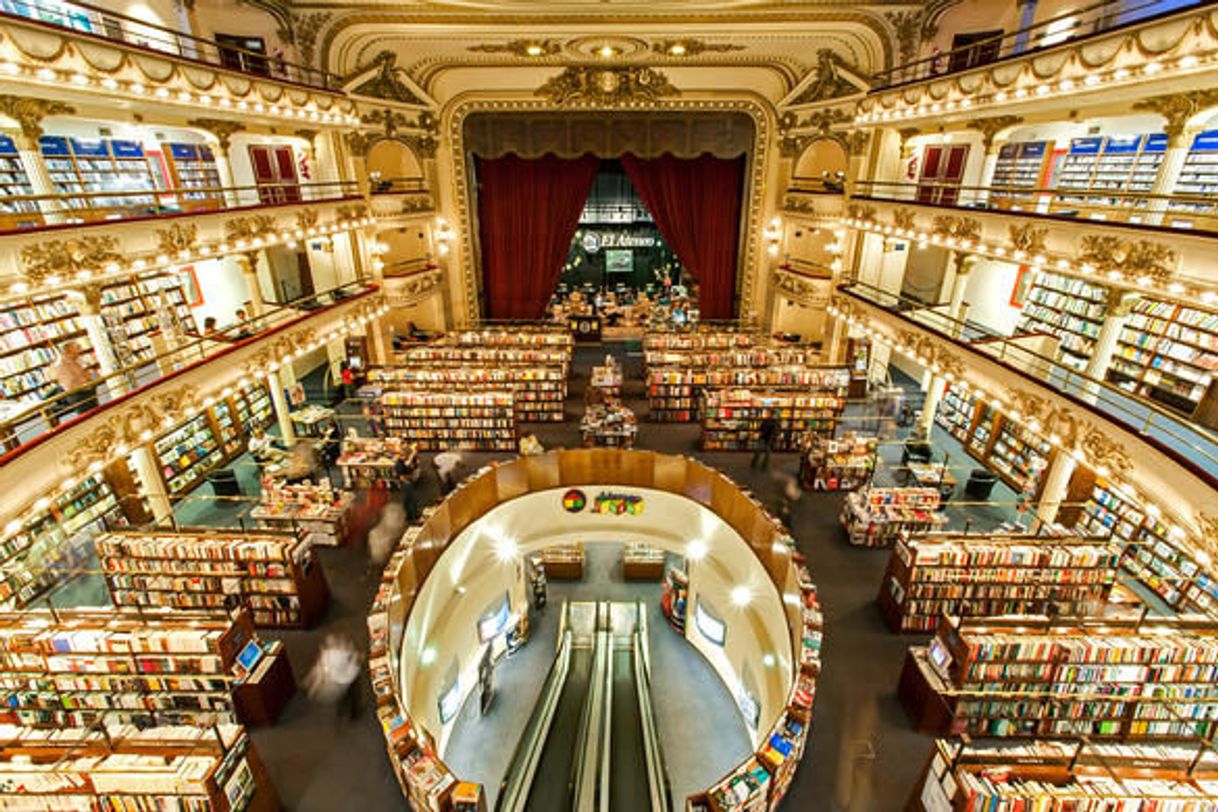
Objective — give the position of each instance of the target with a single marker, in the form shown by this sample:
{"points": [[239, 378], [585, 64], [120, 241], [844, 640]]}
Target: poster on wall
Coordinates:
{"points": [[619, 260]]}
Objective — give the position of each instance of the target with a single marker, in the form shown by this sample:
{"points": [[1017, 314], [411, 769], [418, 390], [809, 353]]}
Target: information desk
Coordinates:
{"points": [[596, 484]]}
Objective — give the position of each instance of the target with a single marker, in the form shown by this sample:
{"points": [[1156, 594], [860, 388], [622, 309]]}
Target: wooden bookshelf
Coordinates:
{"points": [[435, 355], [1020, 168], [1057, 775], [836, 464], [1070, 309], [79, 166], [539, 393], [1114, 163], [254, 408], [938, 574], [276, 576], [436, 421], [145, 667], [195, 176], [877, 517], [137, 308], [31, 331], [212, 769], [15, 183], [674, 392], [957, 414], [1167, 352], [1107, 682], [731, 418]]}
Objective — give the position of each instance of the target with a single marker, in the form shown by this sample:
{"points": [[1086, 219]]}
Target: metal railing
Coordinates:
{"points": [[658, 786], [1072, 26], [27, 422], [396, 186], [1179, 211], [20, 212], [1178, 436], [110, 25]]}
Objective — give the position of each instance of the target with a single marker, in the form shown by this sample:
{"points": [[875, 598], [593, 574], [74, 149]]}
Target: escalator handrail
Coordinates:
{"points": [[657, 773], [592, 718], [515, 791]]}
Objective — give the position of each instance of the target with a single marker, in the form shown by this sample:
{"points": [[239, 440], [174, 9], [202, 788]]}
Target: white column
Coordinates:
{"points": [[1120, 305], [1056, 483], [956, 308], [935, 389], [225, 170], [1169, 173], [152, 486], [248, 263], [275, 384]]}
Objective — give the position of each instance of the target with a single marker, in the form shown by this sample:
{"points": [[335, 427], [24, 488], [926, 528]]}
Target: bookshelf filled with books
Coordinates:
{"points": [[876, 517], [1120, 164], [731, 418], [1109, 681], [196, 176], [116, 174], [277, 577], [441, 354], [77, 668], [1019, 169], [435, 421], [844, 463], [1063, 775], [539, 393], [959, 575], [31, 331], [1167, 352], [124, 767], [674, 392], [254, 408], [188, 452], [15, 184], [957, 414], [1070, 309]]}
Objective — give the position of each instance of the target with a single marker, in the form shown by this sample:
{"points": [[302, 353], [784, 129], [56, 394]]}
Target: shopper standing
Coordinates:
{"points": [[76, 381], [766, 433], [403, 472], [347, 375], [447, 464]]}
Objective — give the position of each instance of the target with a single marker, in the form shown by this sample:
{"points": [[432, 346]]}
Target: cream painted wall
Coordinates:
{"points": [[427, 314], [223, 287], [470, 574], [791, 317], [988, 294], [239, 154]]}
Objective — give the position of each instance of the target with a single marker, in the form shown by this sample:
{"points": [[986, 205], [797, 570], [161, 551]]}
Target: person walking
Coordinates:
{"points": [[335, 675], [766, 434], [448, 463], [404, 473], [75, 380]]}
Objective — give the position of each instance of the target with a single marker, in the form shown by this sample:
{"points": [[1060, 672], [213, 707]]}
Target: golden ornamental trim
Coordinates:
{"points": [[1135, 259], [417, 204], [247, 228], [958, 228], [857, 211], [1068, 430], [177, 238], [857, 142], [306, 27], [990, 127], [129, 427], [306, 219], [44, 260], [904, 218], [907, 26], [1028, 238], [815, 293], [610, 87], [692, 47], [530, 48], [407, 290], [931, 352], [1177, 108], [222, 129], [828, 82], [355, 212], [29, 113]]}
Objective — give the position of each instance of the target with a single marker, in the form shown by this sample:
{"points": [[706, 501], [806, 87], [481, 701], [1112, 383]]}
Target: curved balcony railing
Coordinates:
{"points": [[396, 186], [24, 423], [1072, 26], [94, 21], [1193, 445], [22, 212], [1174, 211]]}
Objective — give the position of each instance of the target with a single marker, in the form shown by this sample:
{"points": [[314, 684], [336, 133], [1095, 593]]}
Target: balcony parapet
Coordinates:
{"points": [[1161, 456], [1171, 54], [45, 60], [816, 204], [56, 460], [1165, 263]]}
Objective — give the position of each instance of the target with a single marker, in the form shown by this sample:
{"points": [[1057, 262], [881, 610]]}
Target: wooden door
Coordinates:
{"points": [[942, 170], [275, 173]]}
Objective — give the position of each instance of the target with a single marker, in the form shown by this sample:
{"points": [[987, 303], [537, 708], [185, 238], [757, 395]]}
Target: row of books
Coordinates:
{"points": [[436, 421]]}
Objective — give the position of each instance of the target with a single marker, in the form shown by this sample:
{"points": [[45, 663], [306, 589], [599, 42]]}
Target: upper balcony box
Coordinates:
{"points": [[52, 49], [1106, 54]]}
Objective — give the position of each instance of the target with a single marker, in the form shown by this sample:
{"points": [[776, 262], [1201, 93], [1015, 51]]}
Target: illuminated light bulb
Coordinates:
{"points": [[741, 596], [80, 79], [136, 87], [1042, 90], [1151, 68], [12, 69], [1189, 61], [225, 101], [1120, 74], [185, 95], [1091, 80], [205, 99], [1021, 93], [47, 74], [1000, 96], [606, 51], [161, 93]]}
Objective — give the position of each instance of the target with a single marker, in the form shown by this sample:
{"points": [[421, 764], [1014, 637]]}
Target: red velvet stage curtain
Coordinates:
{"points": [[528, 210], [696, 205]]}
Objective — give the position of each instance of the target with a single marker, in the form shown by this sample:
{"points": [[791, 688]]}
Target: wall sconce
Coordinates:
{"points": [[442, 233], [773, 236]]}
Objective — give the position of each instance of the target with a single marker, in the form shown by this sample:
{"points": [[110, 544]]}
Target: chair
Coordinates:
{"points": [[980, 483], [224, 482], [915, 451]]}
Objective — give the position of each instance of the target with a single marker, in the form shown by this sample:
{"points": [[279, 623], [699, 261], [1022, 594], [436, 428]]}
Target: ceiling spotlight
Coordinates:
{"points": [[533, 50], [607, 51]]}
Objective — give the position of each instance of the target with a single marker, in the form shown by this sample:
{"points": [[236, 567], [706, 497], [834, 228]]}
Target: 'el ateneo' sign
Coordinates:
{"points": [[617, 504], [596, 240]]}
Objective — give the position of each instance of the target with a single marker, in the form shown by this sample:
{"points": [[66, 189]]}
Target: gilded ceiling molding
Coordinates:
{"points": [[129, 427], [931, 352], [857, 142], [1066, 428], [856, 211], [285, 345], [606, 86], [60, 258], [356, 212], [247, 228], [29, 112], [424, 144], [692, 47], [461, 195], [306, 219], [798, 204], [847, 309], [1177, 108], [530, 48], [990, 127], [222, 129], [792, 146], [828, 82], [177, 238], [306, 28], [814, 293], [1139, 260], [907, 26], [308, 135], [903, 218], [1027, 238], [408, 290], [385, 84], [417, 204], [959, 228]]}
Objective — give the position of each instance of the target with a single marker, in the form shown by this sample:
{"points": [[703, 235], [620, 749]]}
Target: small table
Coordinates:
{"points": [[310, 418], [932, 475]]}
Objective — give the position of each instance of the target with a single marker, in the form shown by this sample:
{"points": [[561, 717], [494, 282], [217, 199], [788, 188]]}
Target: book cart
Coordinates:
{"points": [[146, 667], [731, 418], [1110, 679], [836, 464], [1054, 775], [276, 576], [876, 517], [936, 574]]}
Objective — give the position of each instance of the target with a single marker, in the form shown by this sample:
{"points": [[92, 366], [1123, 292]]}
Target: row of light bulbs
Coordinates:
{"points": [[287, 237], [306, 112], [1041, 90], [1029, 422], [33, 511], [1037, 262]]}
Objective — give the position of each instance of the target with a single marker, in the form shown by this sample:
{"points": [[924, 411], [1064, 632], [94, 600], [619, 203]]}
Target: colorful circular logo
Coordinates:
{"points": [[573, 501]]}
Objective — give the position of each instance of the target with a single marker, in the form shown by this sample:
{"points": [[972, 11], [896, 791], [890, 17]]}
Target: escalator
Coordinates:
{"points": [[591, 744]]}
